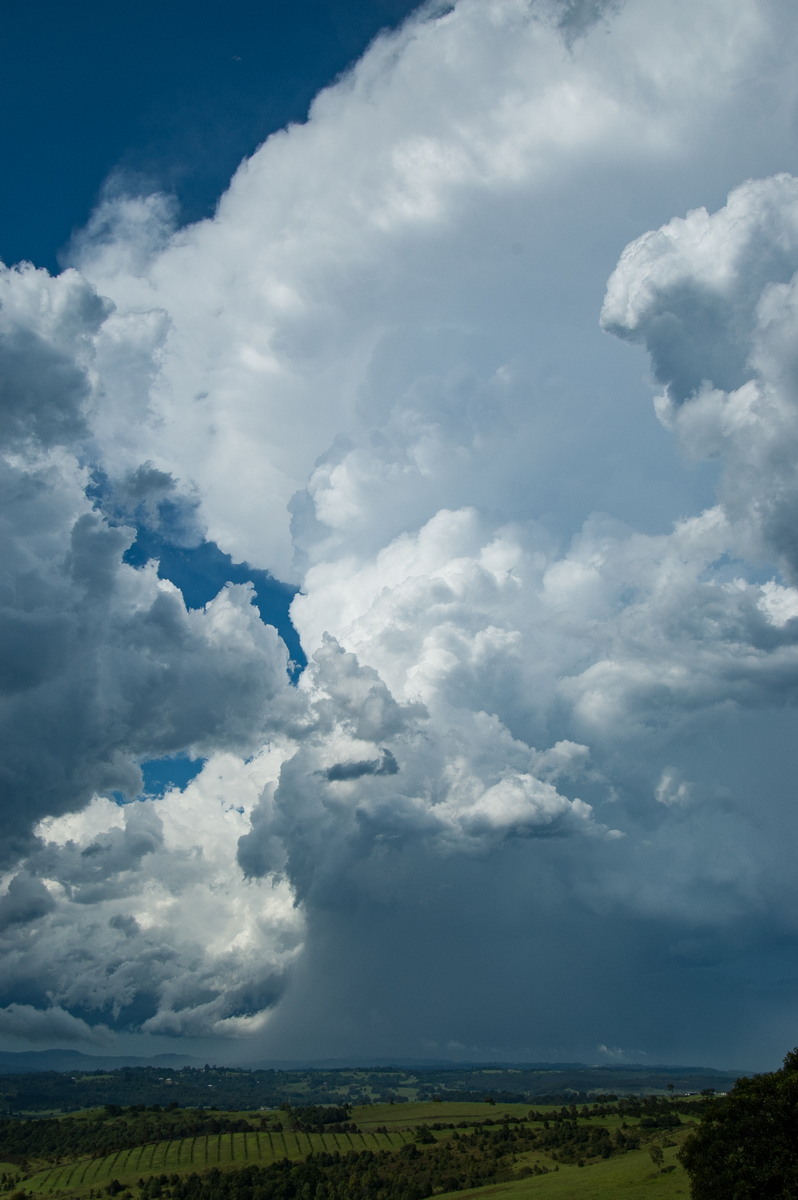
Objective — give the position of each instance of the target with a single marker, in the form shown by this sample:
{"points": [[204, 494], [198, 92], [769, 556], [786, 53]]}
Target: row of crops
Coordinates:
{"points": [[202, 1152]]}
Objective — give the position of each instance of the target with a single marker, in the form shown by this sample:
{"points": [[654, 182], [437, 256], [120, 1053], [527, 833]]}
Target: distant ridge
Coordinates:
{"points": [[448, 1064], [23, 1062], [409, 1064]]}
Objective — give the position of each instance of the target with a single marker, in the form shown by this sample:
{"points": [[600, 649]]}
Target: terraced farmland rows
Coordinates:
{"points": [[184, 1155]]}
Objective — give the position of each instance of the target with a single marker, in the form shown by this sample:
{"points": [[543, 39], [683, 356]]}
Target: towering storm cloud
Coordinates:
{"points": [[533, 795]]}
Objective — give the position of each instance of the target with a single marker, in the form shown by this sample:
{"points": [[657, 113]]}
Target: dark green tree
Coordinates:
{"points": [[746, 1146]]}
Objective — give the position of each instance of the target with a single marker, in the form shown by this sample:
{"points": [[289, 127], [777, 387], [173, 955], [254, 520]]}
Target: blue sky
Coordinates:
{"points": [[476, 383], [186, 94], [172, 95]]}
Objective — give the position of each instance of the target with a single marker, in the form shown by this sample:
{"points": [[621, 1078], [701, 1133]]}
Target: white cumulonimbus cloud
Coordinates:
{"points": [[541, 751]]}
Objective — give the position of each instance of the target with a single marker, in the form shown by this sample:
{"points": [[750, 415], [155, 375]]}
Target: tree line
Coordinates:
{"points": [[470, 1157], [237, 1088], [61, 1138], [464, 1160]]}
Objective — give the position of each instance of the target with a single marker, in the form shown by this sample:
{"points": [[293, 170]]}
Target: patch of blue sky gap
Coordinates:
{"points": [[166, 531], [165, 94], [161, 775], [202, 571], [175, 771]]}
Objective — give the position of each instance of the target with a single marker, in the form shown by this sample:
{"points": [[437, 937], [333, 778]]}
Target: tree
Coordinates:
{"points": [[657, 1155], [745, 1145]]}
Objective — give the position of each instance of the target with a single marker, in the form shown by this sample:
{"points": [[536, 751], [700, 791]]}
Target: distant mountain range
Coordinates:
{"points": [[26, 1061]]}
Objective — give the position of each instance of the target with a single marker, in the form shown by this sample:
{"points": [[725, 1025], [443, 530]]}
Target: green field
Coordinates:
{"points": [[632, 1177], [405, 1116], [630, 1174], [184, 1155]]}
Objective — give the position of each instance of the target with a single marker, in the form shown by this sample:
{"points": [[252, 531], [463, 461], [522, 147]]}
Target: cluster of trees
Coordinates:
{"points": [[562, 1138], [746, 1146], [314, 1118], [147, 1087], [470, 1155], [488, 1153], [662, 1109], [236, 1088], [58, 1139], [406, 1174], [569, 1142]]}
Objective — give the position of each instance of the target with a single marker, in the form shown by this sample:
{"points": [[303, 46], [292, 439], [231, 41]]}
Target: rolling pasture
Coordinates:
{"points": [[184, 1155], [632, 1177], [534, 1170]]}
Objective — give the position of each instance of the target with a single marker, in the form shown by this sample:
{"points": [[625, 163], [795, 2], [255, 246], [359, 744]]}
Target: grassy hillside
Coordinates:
{"points": [[185, 1155], [632, 1177], [546, 1153]]}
